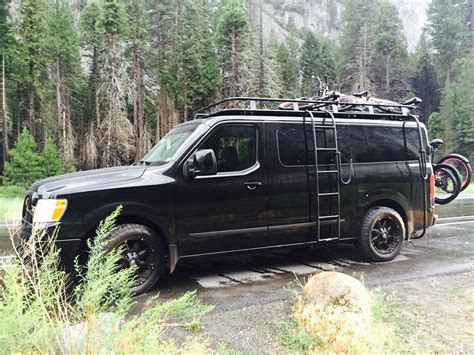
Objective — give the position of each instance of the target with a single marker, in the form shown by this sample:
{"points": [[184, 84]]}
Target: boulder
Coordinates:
{"points": [[334, 308]]}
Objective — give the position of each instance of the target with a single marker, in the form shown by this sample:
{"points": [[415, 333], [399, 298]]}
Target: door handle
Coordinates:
{"points": [[252, 185]]}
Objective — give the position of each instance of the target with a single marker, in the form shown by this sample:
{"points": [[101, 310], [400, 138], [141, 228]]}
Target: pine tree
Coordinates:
{"points": [[456, 113], [6, 44], [449, 32], [233, 39], [32, 43], [316, 61], [166, 15], [389, 52], [50, 160], [288, 67], [194, 74], [91, 36], [63, 49], [115, 131], [357, 44], [465, 105], [24, 166], [136, 12], [424, 80]]}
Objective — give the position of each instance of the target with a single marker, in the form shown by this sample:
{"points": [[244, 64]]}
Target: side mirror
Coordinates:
{"points": [[202, 162], [436, 143]]}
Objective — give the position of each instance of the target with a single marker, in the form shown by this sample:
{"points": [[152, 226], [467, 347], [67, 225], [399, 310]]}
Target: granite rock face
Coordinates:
{"points": [[323, 16]]}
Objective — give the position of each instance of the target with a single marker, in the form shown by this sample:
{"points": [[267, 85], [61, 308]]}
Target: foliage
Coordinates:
{"points": [[456, 115], [105, 78], [287, 67], [37, 314], [194, 73], [317, 60], [424, 79], [24, 166], [27, 164], [448, 29], [12, 191], [232, 35], [389, 52]]}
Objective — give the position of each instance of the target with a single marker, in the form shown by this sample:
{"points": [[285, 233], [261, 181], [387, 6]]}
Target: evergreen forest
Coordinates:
{"points": [[89, 84]]}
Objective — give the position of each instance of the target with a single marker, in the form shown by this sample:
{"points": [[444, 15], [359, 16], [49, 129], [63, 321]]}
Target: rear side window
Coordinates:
{"points": [[379, 144], [413, 143]]}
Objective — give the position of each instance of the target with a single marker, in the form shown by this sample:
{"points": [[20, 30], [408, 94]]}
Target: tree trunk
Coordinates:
{"points": [[261, 58], [387, 74], [185, 97], [95, 72], [138, 111], [4, 112]]}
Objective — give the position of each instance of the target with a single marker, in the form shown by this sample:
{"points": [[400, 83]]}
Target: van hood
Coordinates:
{"points": [[86, 180]]}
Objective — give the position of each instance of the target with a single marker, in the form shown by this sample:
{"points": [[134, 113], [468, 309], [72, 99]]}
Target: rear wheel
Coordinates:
{"points": [[143, 250], [381, 234]]}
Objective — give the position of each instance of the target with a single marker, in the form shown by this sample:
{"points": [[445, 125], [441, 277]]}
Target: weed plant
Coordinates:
{"points": [[41, 311]]}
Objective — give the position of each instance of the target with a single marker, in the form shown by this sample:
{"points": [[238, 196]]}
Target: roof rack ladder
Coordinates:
{"points": [[423, 174], [334, 194]]}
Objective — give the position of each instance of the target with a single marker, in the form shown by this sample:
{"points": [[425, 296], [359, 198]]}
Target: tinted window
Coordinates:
{"points": [[293, 147], [386, 143], [343, 142], [235, 147], [359, 144], [412, 143]]}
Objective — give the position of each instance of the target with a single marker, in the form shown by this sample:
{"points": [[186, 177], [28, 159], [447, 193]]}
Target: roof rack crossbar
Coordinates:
{"points": [[254, 100]]}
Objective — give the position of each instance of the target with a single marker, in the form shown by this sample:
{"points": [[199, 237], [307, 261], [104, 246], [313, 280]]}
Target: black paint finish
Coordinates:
{"points": [[266, 205]]}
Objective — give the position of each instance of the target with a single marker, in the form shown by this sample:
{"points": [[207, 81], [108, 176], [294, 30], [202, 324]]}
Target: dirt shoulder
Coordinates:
{"points": [[434, 314]]}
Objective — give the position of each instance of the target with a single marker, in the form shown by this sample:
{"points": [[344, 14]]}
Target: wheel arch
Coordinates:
{"points": [[133, 214]]}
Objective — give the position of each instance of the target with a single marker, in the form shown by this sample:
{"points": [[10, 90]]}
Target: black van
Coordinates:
{"points": [[245, 179]]}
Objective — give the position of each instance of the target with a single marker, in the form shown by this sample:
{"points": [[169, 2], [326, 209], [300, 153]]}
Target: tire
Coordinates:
{"points": [[381, 234], [447, 179], [462, 164], [143, 249]]}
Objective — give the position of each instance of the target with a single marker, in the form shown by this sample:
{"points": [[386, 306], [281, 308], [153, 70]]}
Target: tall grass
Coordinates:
{"points": [[41, 312]]}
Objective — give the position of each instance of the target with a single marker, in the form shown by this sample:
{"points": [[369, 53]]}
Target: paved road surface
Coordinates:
{"points": [[447, 248]]}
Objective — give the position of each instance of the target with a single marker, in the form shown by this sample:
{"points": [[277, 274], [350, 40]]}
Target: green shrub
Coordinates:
{"points": [[27, 165], [39, 315], [12, 191]]}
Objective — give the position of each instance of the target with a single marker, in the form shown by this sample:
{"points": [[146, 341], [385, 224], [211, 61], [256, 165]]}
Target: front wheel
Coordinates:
{"points": [[381, 234], [142, 249]]}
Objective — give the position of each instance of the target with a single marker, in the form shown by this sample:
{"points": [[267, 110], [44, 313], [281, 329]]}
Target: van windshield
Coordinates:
{"points": [[164, 151]]}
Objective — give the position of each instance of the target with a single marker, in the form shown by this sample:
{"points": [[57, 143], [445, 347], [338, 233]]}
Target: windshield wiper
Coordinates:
{"points": [[145, 162]]}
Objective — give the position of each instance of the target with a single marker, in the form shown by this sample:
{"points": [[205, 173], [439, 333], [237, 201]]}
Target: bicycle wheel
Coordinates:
{"points": [[447, 184], [462, 164]]}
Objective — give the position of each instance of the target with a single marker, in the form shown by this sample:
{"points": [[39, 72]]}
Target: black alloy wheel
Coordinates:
{"points": [[143, 250], [381, 234], [385, 235]]}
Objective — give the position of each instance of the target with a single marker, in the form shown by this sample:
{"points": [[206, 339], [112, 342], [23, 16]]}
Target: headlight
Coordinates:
{"points": [[49, 210]]}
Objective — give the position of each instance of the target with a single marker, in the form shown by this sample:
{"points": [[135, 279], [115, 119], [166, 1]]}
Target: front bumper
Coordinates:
{"points": [[67, 239]]}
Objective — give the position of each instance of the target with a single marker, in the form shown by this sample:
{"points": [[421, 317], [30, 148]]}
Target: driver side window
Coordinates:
{"points": [[235, 147]]}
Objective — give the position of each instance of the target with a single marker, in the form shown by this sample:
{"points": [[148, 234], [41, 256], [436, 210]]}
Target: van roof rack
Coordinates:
{"points": [[250, 104]]}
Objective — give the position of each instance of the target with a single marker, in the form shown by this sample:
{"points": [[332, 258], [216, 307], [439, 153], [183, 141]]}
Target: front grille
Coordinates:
{"points": [[27, 216]]}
